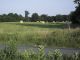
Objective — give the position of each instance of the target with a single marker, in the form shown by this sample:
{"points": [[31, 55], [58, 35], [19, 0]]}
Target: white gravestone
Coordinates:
{"points": [[21, 21]]}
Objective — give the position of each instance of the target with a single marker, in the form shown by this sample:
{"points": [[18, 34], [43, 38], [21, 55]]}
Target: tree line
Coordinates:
{"points": [[11, 17], [14, 17], [74, 16], [58, 18]]}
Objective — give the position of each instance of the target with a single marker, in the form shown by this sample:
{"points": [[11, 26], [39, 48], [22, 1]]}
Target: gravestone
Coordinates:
{"points": [[21, 21]]}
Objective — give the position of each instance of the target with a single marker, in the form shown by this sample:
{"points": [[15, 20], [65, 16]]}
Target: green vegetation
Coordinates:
{"points": [[75, 15], [11, 53], [48, 34], [14, 17]]}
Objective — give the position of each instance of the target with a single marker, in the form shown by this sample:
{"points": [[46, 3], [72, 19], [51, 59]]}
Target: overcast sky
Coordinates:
{"points": [[49, 7]]}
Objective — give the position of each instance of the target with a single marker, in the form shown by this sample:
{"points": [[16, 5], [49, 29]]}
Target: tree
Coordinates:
{"points": [[77, 1], [50, 18], [75, 16], [44, 17], [11, 17], [65, 18], [59, 18], [26, 16], [3, 17], [35, 17]]}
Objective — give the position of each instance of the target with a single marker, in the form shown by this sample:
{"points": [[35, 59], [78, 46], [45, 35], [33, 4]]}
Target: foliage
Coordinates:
{"points": [[34, 17], [10, 52], [57, 54], [14, 17], [77, 1], [26, 16], [41, 53], [31, 55], [10, 17], [75, 16]]}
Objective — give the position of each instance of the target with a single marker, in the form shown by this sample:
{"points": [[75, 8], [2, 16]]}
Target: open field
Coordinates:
{"points": [[48, 34]]}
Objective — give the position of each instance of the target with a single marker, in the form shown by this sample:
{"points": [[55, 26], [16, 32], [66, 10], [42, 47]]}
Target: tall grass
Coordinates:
{"points": [[48, 34], [11, 53], [56, 38]]}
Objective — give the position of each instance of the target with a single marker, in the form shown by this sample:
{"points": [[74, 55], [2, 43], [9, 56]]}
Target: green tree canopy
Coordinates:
{"points": [[75, 16], [11, 17], [34, 17], [44, 17]]}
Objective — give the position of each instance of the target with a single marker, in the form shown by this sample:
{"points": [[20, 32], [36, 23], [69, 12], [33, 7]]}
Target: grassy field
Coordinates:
{"points": [[48, 34]]}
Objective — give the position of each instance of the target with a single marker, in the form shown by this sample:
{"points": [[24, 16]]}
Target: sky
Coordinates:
{"points": [[49, 7]]}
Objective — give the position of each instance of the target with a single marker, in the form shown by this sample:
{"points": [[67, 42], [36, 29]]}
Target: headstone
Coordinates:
{"points": [[42, 22], [68, 24], [53, 21], [21, 21]]}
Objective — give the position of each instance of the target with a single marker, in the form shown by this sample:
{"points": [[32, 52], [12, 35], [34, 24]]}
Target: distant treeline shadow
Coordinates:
{"points": [[60, 26]]}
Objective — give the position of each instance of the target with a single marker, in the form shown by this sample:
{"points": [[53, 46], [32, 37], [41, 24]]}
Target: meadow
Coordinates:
{"points": [[35, 33]]}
